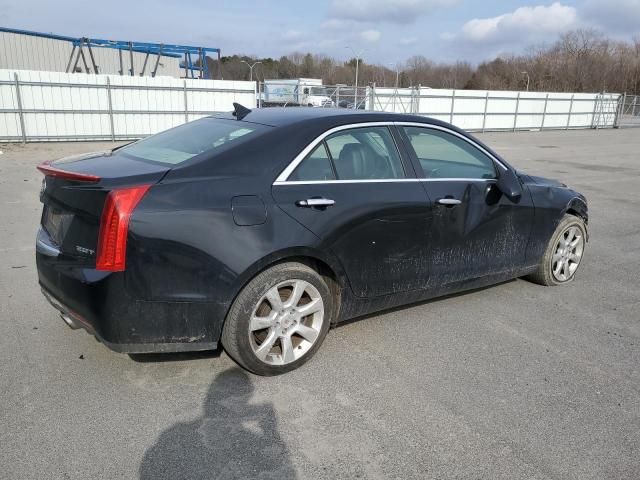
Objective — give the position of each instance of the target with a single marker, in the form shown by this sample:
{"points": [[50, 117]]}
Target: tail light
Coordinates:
{"points": [[52, 171], [114, 227]]}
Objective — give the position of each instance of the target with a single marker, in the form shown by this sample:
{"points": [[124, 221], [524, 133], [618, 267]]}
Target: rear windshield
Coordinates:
{"points": [[179, 144]]}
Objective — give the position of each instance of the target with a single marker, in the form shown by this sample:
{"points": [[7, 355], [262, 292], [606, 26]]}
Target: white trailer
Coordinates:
{"points": [[307, 92]]}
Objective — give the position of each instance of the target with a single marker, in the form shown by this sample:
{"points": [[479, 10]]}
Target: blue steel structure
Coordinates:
{"points": [[194, 68]]}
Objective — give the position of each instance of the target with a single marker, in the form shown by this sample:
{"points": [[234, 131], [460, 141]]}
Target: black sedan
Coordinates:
{"points": [[261, 229]]}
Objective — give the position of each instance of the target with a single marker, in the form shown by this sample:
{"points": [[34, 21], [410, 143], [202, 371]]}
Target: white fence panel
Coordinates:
{"points": [[502, 110], [9, 119], [61, 106], [399, 100]]}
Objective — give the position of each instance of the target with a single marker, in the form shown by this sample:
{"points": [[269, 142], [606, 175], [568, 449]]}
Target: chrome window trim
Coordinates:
{"points": [[384, 180], [284, 175]]}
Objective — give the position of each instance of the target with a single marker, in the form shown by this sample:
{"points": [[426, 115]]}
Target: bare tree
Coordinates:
{"points": [[579, 61]]}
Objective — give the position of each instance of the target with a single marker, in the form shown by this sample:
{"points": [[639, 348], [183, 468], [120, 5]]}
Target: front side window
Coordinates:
{"points": [[444, 155], [365, 154]]}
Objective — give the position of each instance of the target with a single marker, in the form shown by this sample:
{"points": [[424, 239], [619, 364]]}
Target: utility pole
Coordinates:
{"points": [[357, 55], [528, 79], [250, 65]]}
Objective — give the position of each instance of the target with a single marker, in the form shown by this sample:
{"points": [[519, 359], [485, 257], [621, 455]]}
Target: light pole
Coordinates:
{"points": [[528, 79], [395, 66], [395, 93], [250, 65], [357, 55]]}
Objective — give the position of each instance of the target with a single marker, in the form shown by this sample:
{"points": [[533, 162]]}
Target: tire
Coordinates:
{"points": [[551, 270], [271, 335]]}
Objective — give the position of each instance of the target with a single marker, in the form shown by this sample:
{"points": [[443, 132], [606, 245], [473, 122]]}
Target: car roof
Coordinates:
{"points": [[282, 116]]}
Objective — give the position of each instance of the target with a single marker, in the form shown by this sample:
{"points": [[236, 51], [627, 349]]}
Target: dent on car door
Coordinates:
{"points": [[355, 192], [476, 230]]}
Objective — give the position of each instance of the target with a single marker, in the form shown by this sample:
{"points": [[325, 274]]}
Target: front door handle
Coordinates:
{"points": [[315, 202], [449, 201]]}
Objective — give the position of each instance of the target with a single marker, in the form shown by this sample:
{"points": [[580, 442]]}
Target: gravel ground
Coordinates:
{"points": [[513, 381]]}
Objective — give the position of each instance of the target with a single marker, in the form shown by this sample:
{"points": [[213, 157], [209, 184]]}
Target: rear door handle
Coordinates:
{"points": [[449, 201], [315, 202]]}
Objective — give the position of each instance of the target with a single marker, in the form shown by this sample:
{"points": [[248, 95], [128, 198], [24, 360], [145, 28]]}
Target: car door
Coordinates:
{"points": [[476, 229], [352, 188]]}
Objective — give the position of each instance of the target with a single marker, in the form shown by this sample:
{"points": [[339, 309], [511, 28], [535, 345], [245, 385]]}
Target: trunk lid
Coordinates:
{"points": [[74, 190]]}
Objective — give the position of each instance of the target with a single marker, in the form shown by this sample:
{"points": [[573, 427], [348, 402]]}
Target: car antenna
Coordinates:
{"points": [[240, 111]]}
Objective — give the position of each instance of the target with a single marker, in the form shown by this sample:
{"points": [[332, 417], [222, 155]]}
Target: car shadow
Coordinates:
{"points": [[234, 438]]}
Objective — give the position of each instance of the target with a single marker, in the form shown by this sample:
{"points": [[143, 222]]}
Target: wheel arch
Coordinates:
{"points": [[326, 265], [578, 208]]}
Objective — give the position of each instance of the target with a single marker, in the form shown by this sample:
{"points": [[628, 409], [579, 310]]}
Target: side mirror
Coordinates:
{"points": [[509, 185], [305, 91]]}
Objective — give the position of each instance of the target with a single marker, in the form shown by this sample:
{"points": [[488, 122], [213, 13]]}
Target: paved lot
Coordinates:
{"points": [[514, 381]]}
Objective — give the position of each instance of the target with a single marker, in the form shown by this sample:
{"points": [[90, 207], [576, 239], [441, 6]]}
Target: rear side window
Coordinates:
{"points": [[179, 144], [443, 155], [316, 166], [364, 154], [355, 154]]}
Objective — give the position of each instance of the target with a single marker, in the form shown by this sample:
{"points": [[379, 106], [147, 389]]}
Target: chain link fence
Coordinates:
{"points": [[629, 111]]}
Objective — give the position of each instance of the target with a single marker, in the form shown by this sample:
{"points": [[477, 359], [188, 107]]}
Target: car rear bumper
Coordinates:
{"points": [[99, 303]]}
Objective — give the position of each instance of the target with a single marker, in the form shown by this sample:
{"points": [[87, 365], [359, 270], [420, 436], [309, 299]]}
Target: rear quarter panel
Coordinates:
{"points": [[185, 245]]}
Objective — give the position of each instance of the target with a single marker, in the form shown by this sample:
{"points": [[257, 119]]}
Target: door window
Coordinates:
{"points": [[444, 155], [316, 166], [365, 153]]}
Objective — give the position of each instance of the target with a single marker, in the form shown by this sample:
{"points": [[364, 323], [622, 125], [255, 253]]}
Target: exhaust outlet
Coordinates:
{"points": [[70, 321]]}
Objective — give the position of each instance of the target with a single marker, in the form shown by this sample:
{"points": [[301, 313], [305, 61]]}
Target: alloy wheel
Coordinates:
{"points": [[286, 322], [568, 253]]}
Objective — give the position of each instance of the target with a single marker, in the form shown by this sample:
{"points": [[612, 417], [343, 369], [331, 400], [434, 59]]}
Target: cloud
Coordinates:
{"points": [[614, 16], [525, 24], [291, 35], [370, 36], [336, 24], [393, 11], [407, 41]]}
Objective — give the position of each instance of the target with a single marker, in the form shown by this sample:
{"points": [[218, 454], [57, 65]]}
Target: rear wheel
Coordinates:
{"points": [[278, 320], [564, 253]]}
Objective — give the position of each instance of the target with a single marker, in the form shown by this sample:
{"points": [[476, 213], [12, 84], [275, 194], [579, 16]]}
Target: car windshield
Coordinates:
{"points": [[320, 91], [181, 143]]}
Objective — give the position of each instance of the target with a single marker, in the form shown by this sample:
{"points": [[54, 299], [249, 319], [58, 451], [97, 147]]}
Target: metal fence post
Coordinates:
{"points": [[622, 100], [259, 102], [113, 133], [453, 102], [633, 105], [544, 112], [596, 104], [570, 111], [20, 111], [515, 117], [186, 104], [372, 90], [484, 115]]}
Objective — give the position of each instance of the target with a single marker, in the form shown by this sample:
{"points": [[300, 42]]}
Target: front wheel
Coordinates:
{"points": [[279, 319], [563, 254]]}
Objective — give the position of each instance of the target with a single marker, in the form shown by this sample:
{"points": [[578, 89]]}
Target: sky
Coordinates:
{"points": [[382, 31]]}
